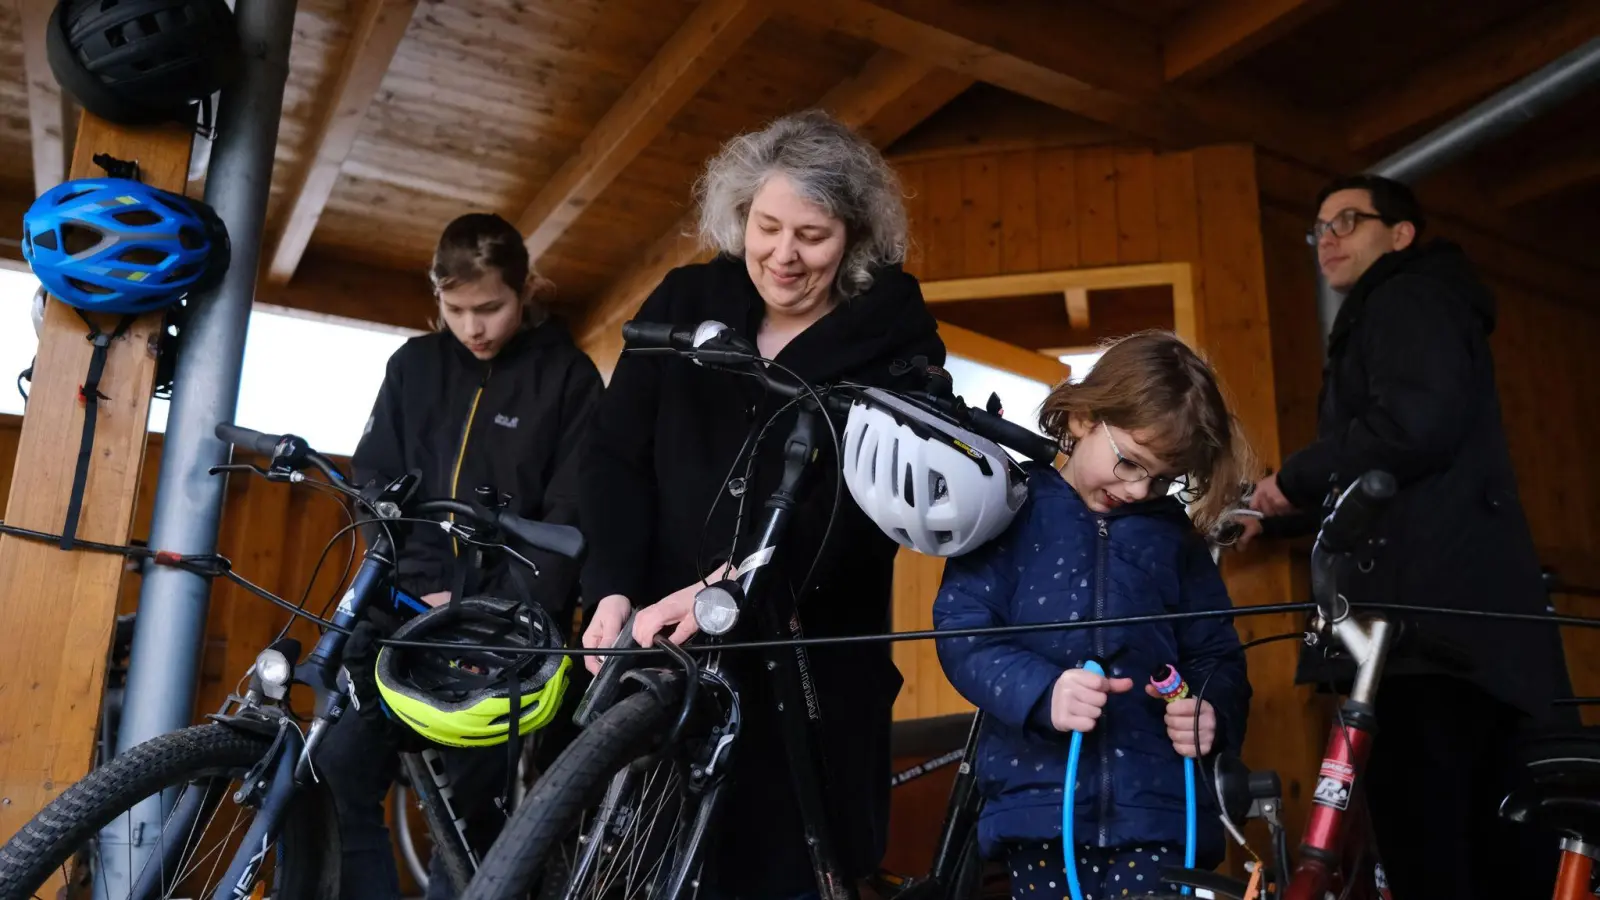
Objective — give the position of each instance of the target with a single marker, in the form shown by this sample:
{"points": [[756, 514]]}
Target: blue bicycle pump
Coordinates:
{"points": [[1068, 790], [1172, 688]]}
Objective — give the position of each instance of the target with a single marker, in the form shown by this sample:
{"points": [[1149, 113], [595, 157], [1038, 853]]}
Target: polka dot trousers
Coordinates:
{"points": [[1037, 872]]}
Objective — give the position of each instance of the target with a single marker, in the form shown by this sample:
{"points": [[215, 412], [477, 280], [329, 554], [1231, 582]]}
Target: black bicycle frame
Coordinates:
{"points": [[287, 768], [795, 695]]}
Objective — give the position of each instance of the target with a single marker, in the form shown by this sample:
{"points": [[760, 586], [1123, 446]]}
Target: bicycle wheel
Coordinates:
{"points": [[644, 834], [74, 839]]}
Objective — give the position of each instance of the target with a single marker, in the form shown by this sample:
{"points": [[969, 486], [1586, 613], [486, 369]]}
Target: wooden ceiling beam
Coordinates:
{"points": [[1474, 71], [1076, 57], [869, 101], [1215, 35], [48, 114], [1541, 178], [696, 52], [379, 27]]}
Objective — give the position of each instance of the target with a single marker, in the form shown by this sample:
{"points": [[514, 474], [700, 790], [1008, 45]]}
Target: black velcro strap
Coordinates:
{"points": [[91, 396]]}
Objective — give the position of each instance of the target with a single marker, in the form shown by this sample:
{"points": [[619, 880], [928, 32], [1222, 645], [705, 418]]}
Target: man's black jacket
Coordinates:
{"points": [[1409, 388]]}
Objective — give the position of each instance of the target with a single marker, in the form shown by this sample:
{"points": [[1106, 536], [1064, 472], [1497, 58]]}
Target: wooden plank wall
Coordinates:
{"points": [[988, 213], [273, 534], [1546, 368]]}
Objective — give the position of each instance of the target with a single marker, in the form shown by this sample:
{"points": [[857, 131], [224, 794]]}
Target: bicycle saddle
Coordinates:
{"points": [[1560, 785]]}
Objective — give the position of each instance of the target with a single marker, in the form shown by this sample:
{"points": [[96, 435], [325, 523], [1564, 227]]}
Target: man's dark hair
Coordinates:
{"points": [[1392, 200]]}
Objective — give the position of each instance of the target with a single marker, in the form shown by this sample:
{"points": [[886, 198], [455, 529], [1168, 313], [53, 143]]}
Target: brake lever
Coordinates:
{"points": [[468, 536], [242, 467]]}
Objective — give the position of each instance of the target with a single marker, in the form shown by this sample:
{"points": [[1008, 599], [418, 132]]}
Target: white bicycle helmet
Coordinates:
{"points": [[931, 485]]}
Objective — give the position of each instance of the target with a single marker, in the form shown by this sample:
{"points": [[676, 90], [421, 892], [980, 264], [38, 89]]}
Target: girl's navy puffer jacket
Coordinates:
{"points": [[1059, 560]]}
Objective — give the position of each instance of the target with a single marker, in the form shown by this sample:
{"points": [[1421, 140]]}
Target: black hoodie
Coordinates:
{"points": [[1409, 387], [515, 422], [659, 455]]}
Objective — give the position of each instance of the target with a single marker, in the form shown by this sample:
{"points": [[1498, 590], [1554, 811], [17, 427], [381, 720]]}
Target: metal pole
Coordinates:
{"points": [[1495, 117], [188, 507], [169, 631]]}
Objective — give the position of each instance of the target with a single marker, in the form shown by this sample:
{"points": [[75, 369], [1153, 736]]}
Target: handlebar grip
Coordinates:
{"points": [[602, 692], [647, 334], [1357, 512], [563, 540], [256, 441], [1010, 434]]}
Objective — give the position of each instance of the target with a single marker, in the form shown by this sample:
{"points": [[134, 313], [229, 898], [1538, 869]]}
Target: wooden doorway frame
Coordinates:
{"points": [[1074, 285]]}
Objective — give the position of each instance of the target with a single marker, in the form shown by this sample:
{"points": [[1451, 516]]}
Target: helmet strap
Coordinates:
{"points": [[117, 168], [89, 395], [508, 801]]}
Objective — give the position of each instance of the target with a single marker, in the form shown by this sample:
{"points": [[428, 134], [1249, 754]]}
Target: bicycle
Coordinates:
{"points": [[1337, 855], [132, 824], [656, 740]]}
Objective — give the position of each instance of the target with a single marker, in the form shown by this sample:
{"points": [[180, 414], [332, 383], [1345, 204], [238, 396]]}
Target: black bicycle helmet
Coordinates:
{"points": [[140, 62]]}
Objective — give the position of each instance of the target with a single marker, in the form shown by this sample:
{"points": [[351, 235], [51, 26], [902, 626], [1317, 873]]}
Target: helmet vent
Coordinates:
{"points": [[190, 239], [911, 496], [136, 217], [86, 287], [938, 487], [143, 256], [45, 239], [77, 239], [894, 466]]}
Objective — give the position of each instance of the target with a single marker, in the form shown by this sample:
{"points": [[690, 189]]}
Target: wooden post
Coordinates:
{"points": [[56, 608]]}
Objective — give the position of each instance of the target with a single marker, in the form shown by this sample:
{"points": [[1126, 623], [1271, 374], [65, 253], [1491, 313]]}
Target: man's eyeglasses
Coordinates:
{"points": [[1341, 225], [1133, 473]]}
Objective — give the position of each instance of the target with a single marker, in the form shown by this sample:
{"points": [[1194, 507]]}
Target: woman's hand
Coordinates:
{"points": [[436, 599], [676, 608], [1079, 698], [610, 614], [1180, 724]]}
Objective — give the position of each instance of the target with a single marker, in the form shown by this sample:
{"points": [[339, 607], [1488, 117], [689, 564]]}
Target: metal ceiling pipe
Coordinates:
{"points": [[1499, 115], [169, 632]]}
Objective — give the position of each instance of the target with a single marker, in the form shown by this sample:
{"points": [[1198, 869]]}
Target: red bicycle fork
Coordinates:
{"points": [[1336, 811]]}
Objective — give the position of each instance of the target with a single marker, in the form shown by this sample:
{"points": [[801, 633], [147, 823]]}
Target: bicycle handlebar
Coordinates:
{"points": [[712, 343], [1357, 512], [562, 540], [256, 441], [293, 449]]}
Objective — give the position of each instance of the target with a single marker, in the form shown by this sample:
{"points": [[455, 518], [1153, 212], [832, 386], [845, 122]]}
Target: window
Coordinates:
{"points": [[315, 378]]}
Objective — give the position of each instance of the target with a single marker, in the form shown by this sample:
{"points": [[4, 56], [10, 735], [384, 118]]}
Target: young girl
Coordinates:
{"points": [[1106, 537]]}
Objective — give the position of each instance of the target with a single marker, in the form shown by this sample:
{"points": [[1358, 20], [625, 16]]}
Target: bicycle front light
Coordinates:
{"points": [[273, 672], [716, 608]]}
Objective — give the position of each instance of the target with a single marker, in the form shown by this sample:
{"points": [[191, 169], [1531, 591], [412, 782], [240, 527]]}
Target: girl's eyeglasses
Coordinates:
{"points": [[1131, 472]]}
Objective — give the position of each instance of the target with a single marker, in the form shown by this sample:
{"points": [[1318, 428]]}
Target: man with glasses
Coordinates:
{"points": [[1409, 387]]}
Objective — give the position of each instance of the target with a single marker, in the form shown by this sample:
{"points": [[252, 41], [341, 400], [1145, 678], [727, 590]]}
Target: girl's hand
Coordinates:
{"points": [[436, 599], [610, 614], [676, 608], [1080, 696], [1180, 725]]}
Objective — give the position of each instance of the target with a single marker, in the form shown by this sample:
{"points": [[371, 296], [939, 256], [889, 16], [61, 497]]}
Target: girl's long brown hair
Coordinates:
{"points": [[1154, 385]]}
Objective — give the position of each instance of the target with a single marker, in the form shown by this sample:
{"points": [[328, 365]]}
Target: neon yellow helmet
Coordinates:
{"points": [[459, 698]]}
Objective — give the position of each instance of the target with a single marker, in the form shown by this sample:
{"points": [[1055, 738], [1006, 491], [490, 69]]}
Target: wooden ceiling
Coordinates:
{"points": [[586, 121]]}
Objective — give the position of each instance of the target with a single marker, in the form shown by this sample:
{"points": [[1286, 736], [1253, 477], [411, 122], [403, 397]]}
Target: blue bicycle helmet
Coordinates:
{"points": [[117, 246]]}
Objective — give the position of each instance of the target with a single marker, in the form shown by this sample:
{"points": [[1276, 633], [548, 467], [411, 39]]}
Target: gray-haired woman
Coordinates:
{"points": [[811, 228]]}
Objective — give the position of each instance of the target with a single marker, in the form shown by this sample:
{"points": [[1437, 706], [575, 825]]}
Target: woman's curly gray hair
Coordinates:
{"points": [[831, 166]]}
